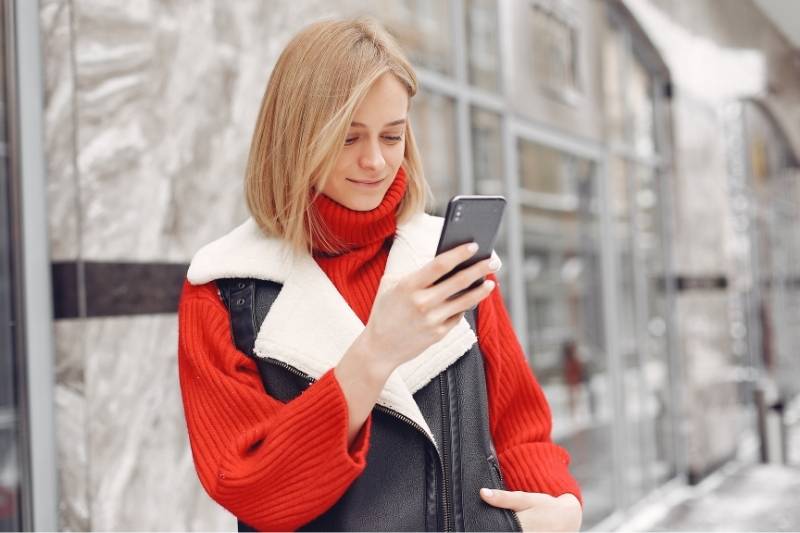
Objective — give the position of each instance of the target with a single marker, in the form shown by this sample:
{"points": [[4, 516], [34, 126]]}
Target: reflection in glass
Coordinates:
{"points": [[614, 59], [554, 31], [487, 152], [432, 116], [659, 453], [487, 166], [482, 39], [641, 111], [642, 325], [564, 299], [10, 458], [422, 27]]}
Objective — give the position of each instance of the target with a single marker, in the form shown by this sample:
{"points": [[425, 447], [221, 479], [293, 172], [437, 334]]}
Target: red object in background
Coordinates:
{"points": [[8, 502]]}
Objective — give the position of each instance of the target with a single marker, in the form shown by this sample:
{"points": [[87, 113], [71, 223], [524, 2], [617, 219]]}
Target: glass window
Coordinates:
{"points": [[642, 325], [487, 152], [11, 459], [659, 454], [432, 116], [614, 58], [561, 239], [422, 27], [629, 94], [487, 166], [554, 31], [482, 43], [641, 111]]}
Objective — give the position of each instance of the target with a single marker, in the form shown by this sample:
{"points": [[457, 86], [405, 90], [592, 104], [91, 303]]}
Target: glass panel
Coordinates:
{"points": [[769, 152], [422, 27], [614, 58], [487, 152], [634, 472], [554, 31], [482, 39], [432, 116], [640, 97], [563, 289], [487, 165], [10, 459], [642, 325], [656, 424]]}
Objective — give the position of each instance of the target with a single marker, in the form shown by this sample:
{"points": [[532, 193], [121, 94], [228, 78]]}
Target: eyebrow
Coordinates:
{"points": [[393, 123]]}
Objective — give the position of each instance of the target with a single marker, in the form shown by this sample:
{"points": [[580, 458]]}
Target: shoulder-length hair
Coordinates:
{"points": [[318, 82]]}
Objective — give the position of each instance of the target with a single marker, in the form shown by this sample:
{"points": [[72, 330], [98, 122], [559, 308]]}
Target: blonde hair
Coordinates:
{"points": [[318, 82]]}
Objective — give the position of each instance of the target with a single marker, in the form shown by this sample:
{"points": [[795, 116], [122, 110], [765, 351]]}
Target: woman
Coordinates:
{"points": [[380, 408]]}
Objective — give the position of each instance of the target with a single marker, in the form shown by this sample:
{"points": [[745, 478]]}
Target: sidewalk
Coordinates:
{"points": [[741, 496], [753, 498]]}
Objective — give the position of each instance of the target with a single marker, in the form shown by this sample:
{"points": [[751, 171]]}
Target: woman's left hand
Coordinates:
{"points": [[537, 511]]}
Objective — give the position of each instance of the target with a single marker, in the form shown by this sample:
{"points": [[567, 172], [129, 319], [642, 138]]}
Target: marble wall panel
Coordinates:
{"points": [[73, 465], [141, 474], [59, 133], [168, 94]]}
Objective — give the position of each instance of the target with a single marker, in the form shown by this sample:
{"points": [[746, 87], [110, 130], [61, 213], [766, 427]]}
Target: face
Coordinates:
{"points": [[373, 149]]}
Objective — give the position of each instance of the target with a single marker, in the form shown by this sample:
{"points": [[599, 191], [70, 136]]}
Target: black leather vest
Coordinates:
{"points": [[410, 483]]}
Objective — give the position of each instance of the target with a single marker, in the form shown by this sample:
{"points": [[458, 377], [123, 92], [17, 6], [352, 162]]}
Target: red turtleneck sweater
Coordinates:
{"points": [[277, 466]]}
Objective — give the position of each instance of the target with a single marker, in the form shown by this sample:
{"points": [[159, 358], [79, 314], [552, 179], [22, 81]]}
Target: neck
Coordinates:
{"points": [[342, 229]]}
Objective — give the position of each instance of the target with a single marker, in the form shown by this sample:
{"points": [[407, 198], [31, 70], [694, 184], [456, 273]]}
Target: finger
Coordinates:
{"points": [[467, 300], [442, 264], [441, 291], [516, 500], [453, 320]]}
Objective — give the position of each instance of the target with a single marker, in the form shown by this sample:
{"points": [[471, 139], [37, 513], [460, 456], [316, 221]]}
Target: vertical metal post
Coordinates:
{"points": [[466, 181], [516, 280], [34, 310]]}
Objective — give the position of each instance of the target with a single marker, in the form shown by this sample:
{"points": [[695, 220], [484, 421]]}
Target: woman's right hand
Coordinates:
{"points": [[414, 313]]}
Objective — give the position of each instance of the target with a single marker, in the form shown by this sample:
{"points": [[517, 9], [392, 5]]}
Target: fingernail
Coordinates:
{"points": [[494, 264], [472, 247], [486, 492]]}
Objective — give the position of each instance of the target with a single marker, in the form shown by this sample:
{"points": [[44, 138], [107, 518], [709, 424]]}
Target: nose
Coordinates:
{"points": [[372, 157]]}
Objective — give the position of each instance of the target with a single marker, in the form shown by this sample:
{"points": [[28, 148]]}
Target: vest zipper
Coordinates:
{"points": [[401, 417], [496, 464], [445, 451], [442, 463]]}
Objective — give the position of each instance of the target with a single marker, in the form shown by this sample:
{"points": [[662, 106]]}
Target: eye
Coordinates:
{"points": [[393, 138], [350, 141]]}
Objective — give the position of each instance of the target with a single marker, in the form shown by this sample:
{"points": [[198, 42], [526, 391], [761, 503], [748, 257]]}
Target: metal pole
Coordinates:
{"points": [[32, 262]]}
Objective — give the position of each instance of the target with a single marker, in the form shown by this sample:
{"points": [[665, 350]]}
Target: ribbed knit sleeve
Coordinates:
{"points": [[274, 465], [519, 416]]}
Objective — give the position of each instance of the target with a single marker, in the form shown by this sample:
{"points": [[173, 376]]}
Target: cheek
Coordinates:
{"points": [[396, 153], [343, 165]]}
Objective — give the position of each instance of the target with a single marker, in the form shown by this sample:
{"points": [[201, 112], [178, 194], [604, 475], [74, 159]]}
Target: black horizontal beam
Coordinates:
{"points": [[116, 288]]}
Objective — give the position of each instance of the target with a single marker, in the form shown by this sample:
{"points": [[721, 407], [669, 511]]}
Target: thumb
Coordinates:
{"points": [[516, 500]]}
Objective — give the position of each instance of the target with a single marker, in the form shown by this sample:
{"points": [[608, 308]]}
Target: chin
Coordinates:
{"points": [[363, 205]]}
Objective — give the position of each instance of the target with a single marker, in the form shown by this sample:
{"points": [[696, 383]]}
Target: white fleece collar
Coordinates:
{"points": [[310, 325]]}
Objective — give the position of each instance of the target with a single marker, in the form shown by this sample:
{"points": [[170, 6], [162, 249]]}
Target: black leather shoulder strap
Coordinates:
{"points": [[248, 301]]}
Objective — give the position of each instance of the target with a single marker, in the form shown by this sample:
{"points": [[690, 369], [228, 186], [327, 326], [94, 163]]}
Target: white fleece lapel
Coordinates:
{"points": [[310, 325]]}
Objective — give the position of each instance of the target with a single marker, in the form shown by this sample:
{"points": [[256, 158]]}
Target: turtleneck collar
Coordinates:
{"points": [[358, 229]]}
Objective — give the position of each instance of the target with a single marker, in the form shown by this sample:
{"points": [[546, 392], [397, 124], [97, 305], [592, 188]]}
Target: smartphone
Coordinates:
{"points": [[471, 219]]}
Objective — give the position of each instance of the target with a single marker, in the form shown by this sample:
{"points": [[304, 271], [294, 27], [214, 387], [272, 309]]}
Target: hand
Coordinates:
{"points": [[413, 313], [537, 511]]}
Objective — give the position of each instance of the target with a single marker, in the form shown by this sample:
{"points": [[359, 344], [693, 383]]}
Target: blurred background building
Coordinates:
{"points": [[648, 150]]}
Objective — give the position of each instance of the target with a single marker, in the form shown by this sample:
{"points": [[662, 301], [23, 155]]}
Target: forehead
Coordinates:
{"points": [[385, 103]]}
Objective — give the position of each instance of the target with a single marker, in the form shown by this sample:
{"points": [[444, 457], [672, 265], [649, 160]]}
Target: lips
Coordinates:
{"points": [[366, 182]]}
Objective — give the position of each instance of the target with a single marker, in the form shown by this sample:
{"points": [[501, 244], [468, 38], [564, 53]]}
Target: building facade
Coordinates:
{"points": [[647, 149]]}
